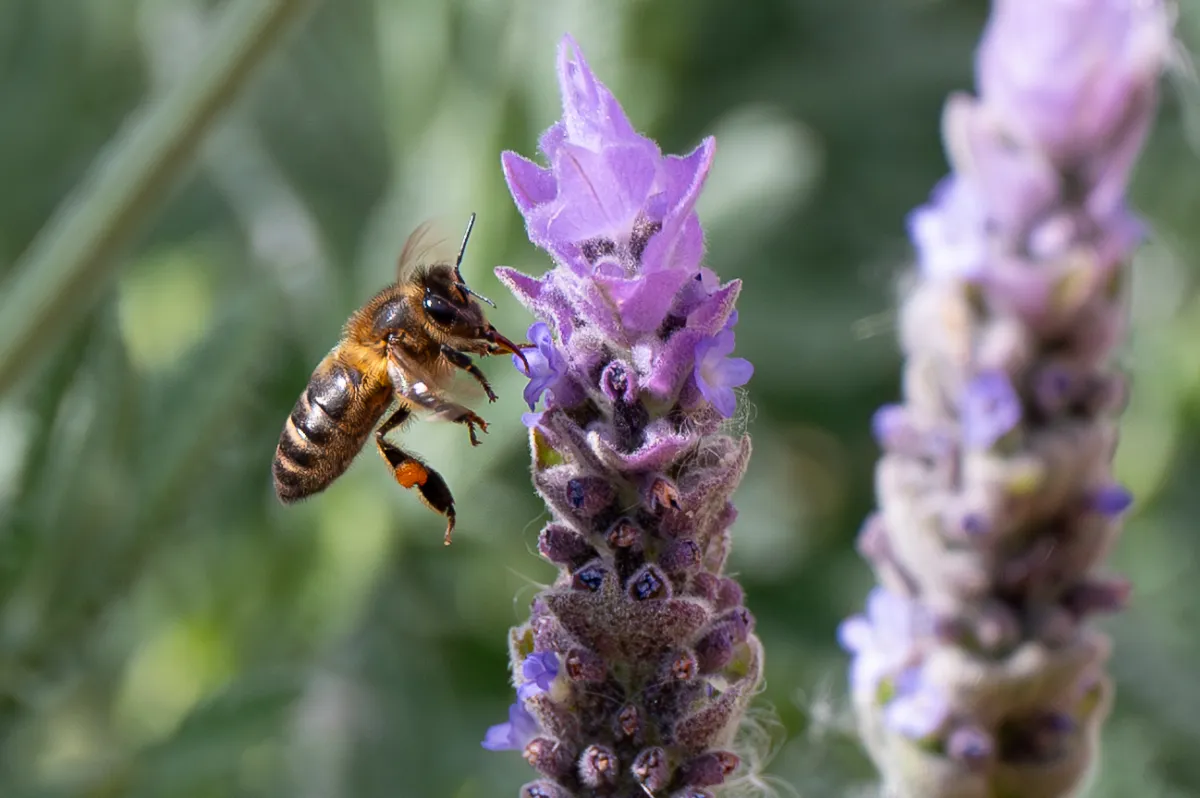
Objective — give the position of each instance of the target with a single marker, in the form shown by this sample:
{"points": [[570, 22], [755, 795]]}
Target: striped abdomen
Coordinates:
{"points": [[327, 427]]}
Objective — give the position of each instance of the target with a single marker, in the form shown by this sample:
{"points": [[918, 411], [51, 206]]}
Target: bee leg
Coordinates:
{"points": [[450, 411], [394, 420], [464, 362], [410, 472]]}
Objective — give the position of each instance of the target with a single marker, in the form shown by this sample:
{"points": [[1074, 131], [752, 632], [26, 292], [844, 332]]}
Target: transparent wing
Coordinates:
{"points": [[431, 242]]}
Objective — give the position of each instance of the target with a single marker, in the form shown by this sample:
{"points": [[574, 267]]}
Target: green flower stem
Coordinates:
{"points": [[63, 269]]}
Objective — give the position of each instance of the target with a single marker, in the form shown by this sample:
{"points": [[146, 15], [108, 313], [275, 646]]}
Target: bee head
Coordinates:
{"points": [[454, 311], [448, 306]]}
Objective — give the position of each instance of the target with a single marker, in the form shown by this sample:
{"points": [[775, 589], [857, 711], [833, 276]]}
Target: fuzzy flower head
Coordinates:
{"points": [[1012, 325], [632, 353], [618, 217], [607, 187], [611, 207]]}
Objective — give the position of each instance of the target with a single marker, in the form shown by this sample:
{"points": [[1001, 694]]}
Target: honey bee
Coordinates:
{"points": [[403, 347]]}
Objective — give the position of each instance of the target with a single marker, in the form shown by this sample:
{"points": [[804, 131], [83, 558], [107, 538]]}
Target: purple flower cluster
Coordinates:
{"points": [[641, 655], [974, 671]]}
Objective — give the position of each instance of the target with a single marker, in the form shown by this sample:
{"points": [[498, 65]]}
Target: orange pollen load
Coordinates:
{"points": [[410, 474]]}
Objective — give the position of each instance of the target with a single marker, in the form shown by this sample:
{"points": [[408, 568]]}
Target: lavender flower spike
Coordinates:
{"points": [[974, 671], [631, 362]]}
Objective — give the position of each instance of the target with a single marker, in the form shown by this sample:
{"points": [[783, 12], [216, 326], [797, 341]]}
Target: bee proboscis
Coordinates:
{"points": [[403, 346]]}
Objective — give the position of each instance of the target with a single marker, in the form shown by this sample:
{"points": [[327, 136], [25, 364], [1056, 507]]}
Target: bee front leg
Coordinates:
{"points": [[464, 362], [450, 411], [410, 472]]}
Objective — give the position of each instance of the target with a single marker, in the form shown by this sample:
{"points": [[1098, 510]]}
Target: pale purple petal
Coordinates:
{"points": [[1111, 500], [680, 242], [1065, 73], [717, 374], [513, 735], [855, 634], [950, 232], [1019, 182], [643, 301], [546, 364], [918, 708], [540, 669], [530, 184], [600, 193], [591, 115], [737, 371], [991, 409]]}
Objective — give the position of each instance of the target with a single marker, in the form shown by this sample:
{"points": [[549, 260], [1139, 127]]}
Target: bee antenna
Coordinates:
{"points": [[462, 250], [462, 284], [463, 287]]}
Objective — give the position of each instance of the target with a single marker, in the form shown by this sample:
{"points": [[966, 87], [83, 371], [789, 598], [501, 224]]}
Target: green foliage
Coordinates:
{"points": [[167, 629]]}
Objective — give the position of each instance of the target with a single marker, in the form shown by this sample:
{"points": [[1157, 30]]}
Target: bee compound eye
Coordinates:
{"points": [[441, 311]]}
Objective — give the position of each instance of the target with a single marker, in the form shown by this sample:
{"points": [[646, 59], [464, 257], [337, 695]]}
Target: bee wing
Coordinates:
{"points": [[426, 384], [410, 377], [429, 243]]}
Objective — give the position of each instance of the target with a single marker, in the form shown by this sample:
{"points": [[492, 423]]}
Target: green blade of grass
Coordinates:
{"points": [[74, 253]]}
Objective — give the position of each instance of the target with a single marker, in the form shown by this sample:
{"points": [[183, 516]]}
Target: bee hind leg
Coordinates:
{"points": [[410, 472]]}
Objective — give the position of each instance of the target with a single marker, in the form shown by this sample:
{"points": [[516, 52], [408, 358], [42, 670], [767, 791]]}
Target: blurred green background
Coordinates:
{"points": [[168, 629]]}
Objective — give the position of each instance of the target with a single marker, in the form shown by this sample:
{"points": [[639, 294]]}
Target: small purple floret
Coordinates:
{"points": [[514, 734], [991, 409], [974, 524], [546, 364], [1111, 500], [887, 643], [884, 640], [889, 425], [918, 708], [948, 233], [538, 673], [717, 374], [970, 744]]}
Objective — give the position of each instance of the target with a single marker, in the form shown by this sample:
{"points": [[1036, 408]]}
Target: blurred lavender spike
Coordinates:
{"points": [[974, 671], [637, 664]]}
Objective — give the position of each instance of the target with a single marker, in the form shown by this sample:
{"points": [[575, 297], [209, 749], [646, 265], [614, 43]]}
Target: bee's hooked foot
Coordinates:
{"points": [[472, 420]]}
